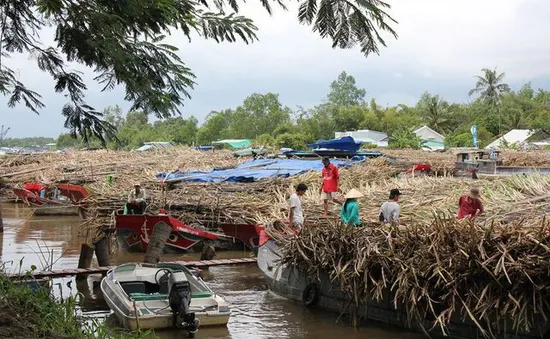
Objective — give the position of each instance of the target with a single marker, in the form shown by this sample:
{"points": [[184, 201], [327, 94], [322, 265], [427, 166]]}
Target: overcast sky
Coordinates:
{"points": [[441, 45]]}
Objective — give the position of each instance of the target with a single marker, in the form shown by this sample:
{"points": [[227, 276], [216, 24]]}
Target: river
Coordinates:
{"points": [[257, 313]]}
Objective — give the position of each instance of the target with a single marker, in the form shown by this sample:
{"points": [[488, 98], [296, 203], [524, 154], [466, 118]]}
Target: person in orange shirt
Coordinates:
{"points": [[470, 205], [329, 185]]}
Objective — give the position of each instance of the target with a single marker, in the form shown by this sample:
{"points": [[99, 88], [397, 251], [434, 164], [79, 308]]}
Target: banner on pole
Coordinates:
{"points": [[473, 129]]}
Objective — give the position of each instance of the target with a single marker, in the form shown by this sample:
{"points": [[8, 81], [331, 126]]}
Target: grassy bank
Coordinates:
{"points": [[25, 313]]}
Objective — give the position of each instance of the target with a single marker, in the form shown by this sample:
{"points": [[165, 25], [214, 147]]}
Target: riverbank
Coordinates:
{"points": [[27, 313]]}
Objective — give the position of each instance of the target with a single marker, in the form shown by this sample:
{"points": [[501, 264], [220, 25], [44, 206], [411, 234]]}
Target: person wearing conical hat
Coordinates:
{"points": [[349, 213], [470, 205]]}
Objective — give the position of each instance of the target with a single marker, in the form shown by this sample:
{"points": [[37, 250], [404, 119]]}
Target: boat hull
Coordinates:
{"points": [[134, 232], [290, 283], [248, 234]]}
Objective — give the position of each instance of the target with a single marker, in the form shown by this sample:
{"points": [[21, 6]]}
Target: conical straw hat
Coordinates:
{"points": [[354, 194]]}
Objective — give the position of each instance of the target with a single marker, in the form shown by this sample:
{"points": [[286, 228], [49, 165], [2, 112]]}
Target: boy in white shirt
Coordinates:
{"points": [[296, 215]]}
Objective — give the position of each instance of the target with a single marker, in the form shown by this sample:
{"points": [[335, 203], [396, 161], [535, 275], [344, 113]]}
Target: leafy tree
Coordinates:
{"points": [[343, 92], [136, 118], [349, 118], [285, 128], [405, 138], [317, 122], [216, 127], [65, 140], [259, 114], [397, 118], [462, 137], [123, 41], [177, 130], [297, 141], [265, 140]]}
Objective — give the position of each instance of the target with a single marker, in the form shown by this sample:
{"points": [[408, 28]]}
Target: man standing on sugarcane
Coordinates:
{"points": [[470, 205], [329, 185], [296, 214], [136, 200], [389, 211]]}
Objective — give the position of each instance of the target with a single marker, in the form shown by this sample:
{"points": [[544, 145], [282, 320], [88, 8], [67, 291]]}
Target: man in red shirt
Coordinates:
{"points": [[330, 183], [470, 205]]}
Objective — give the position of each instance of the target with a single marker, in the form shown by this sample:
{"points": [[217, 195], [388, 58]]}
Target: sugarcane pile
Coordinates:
{"points": [[526, 158], [90, 166], [437, 267], [446, 270], [207, 204], [443, 164], [509, 199]]}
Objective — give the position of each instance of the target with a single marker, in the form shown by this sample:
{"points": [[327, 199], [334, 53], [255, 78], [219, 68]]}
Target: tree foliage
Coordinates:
{"points": [[344, 92], [263, 118], [123, 42]]}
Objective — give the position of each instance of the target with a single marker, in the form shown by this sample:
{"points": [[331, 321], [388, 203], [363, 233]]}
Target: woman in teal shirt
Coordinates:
{"points": [[350, 208]]}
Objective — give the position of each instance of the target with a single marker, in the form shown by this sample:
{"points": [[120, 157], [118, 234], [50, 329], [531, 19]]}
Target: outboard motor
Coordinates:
{"points": [[180, 298]]}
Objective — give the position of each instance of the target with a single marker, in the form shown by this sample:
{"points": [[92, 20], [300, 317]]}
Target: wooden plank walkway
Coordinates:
{"points": [[103, 270]]}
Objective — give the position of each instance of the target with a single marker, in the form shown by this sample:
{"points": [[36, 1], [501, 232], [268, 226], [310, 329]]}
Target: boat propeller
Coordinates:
{"points": [[180, 298]]}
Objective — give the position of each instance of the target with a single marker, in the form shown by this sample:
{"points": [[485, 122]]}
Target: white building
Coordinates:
{"points": [[514, 138], [367, 136], [430, 139]]}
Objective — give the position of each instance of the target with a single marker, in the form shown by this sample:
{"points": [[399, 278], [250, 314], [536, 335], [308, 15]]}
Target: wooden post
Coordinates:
{"points": [[1, 221], [102, 252], [160, 234], [85, 259]]}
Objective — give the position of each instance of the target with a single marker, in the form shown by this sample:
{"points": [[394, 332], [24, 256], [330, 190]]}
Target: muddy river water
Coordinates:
{"points": [[257, 313]]}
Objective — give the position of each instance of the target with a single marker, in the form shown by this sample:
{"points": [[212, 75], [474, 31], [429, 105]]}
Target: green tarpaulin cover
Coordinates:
{"points": [[235, 143]]}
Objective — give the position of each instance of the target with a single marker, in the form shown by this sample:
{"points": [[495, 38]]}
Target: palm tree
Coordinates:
{"points": [[84, 121], [435, 112], [490, 87]]}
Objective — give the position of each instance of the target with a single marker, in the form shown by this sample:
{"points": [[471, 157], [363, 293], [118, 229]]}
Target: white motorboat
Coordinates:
{"points": [[165, 295]]}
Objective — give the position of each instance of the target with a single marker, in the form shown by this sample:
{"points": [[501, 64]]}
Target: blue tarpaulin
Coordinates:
{"points": [[344, 143], [256, 169]]}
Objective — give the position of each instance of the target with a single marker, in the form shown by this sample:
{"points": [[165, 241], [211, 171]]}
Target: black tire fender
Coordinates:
{"points": [[310, 296]]}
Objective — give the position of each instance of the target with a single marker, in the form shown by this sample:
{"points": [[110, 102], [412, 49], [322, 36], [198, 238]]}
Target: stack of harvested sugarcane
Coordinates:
{"points": [[526, 158], [509, 199], [208, 204], [89, 166], [491, 272]]}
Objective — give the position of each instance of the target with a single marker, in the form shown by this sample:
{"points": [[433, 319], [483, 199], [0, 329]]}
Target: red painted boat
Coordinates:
{"points": [[75, 193], [28, 197], [135, 230], [64, 202], [248, 234]]}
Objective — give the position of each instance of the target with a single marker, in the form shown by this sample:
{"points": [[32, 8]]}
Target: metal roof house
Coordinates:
{"points": [[431, 140], [515, 137], [154, 146], [366, 136]]}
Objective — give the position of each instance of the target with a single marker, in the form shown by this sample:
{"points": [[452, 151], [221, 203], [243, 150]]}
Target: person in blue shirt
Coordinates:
{"points": [[350, 208]]}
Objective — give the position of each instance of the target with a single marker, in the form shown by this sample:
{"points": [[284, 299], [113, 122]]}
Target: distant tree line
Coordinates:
{"points": [[263, 118], [26, 142]]}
